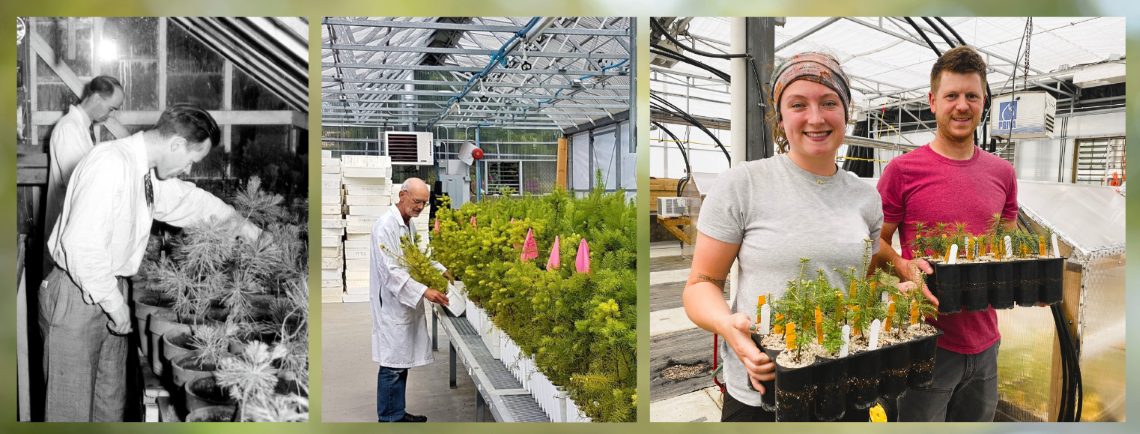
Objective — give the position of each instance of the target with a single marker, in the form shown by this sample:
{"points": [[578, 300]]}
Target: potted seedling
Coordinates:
{"points": [[211, 344], [1052, 269], [893, 352], [924, 337], [862, 305], [830, 373], [794, 386]]}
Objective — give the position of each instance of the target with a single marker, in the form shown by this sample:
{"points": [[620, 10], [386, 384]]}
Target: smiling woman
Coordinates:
{"points": [[755, 215]]}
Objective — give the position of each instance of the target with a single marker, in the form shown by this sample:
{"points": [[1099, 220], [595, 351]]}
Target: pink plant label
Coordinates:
{"points": [[437, 224], [530, 247], [473, 222], [555, 260], [582, 263]]}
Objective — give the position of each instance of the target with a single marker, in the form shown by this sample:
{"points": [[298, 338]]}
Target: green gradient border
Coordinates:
{"points": [[642, 8]]}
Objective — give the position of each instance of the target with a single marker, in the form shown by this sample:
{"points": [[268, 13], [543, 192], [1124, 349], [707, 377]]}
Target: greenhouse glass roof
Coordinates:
{"points": [[506, 72]]}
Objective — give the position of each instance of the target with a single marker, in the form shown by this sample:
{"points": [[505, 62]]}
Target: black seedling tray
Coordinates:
{"points": [[978, 286], [823, 390]]}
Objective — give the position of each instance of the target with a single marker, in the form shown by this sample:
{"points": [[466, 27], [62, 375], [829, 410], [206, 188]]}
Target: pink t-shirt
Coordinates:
{"points": [[922, 186]]}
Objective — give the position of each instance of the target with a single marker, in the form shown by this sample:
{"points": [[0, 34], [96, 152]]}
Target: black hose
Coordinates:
{"points": [[662, 51], [660, 28], [685, 155], [951, 29], [685, 116], [693, 121], [986, 142], [923, 34], [1064, 400], [938, 30], [1072, 394]]}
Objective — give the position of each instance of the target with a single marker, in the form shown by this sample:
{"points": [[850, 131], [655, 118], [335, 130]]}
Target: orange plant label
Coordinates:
{"points": [[818, 326]]}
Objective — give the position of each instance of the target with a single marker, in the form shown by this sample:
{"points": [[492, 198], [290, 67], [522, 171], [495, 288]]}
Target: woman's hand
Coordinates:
{"points": [[736, 329]]}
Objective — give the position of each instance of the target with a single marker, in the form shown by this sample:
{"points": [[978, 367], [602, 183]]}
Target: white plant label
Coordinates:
{"points": [[765, 319], [1056, 250], [953, 254], [884, 296], [874, 345], [1008, 247], [846, 341]]}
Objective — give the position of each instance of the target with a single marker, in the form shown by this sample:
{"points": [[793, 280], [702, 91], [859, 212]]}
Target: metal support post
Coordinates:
{"points": [[760, 37], [451, 363]]}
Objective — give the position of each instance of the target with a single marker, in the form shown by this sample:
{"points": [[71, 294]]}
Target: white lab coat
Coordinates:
{"points": [[399, 326]]}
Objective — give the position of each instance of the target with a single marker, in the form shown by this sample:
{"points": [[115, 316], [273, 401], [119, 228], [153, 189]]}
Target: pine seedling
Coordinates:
{"points": [[212, 341], [419, 264]]}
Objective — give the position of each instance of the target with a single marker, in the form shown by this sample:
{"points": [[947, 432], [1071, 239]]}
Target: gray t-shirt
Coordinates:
{"points": [[779, 213]]}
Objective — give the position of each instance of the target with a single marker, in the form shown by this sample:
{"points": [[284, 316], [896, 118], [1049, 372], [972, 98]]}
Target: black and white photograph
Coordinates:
{"points": [[162, 205]]}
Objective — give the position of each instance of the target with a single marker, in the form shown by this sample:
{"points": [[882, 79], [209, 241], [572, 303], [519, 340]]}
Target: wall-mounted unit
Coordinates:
{"points": [[1030, 116], [668, 207], [409, 148]]}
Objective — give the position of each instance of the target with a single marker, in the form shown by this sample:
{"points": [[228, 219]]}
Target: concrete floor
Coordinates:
{"points": [[348, 373], [676, 340]]}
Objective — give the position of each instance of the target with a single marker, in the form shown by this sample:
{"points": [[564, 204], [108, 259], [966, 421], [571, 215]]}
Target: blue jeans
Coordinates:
{"points": [[390, 388], [964, 389]]}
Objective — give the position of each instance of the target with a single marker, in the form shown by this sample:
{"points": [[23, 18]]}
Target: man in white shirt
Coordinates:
{"points": [[399, 327], [115, 194], [71, 138]]}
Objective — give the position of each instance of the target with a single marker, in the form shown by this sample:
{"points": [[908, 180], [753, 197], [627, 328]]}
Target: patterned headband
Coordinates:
{"points": [[814, 67]]}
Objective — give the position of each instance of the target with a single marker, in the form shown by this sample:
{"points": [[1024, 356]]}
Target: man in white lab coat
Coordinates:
{"points": [[115, 194], [71, 138], [400, 337]]}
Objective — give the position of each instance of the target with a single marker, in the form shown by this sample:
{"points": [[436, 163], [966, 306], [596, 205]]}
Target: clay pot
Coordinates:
{"points": [[146, 303], [211, 414], [161, 323], [186, 368], [204, 392]]}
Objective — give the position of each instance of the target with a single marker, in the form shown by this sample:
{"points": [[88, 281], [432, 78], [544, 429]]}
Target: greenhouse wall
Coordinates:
{"points": [[606, 149]]}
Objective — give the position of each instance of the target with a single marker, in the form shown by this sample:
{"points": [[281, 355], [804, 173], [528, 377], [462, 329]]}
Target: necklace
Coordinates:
{"points": [[823, 180]]}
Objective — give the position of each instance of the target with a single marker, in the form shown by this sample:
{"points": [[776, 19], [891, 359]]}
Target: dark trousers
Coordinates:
{"points": [[736, 411], [391, 385], [84, 364], [964, 389]]}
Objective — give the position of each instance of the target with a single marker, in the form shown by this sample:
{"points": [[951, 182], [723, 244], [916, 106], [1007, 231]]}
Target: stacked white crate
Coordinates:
{"points": [[332, 230], [368, 195]]}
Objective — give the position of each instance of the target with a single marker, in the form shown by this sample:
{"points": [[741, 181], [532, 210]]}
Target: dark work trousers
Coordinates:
{"points": [[964, 389], [736, 411], [84, 364]]}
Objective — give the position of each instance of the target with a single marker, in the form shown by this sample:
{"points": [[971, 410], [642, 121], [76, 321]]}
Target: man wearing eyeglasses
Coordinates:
{"points": [[71, 139], [400, 337]]}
